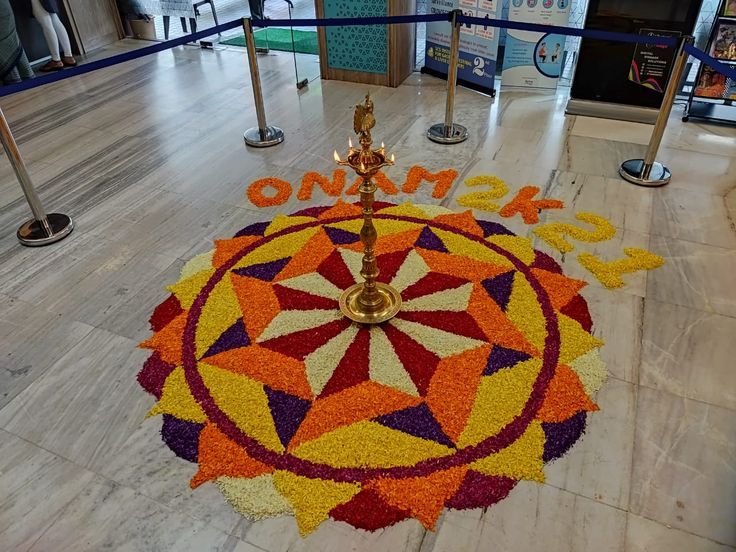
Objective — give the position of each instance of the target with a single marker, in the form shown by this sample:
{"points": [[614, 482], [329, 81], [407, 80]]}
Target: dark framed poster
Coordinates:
{"points": [[651, 64], [713, 96], [623, 73]]}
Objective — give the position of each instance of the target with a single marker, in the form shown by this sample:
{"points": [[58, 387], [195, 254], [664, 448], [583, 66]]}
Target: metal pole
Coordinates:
{"points": [[263, 136], [303, 82], [449, 132], [648, 172], [42, 229]]}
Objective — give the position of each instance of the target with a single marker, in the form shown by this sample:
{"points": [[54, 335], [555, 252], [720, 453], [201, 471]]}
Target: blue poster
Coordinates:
{"points": [[478, 44], [535, 59]]}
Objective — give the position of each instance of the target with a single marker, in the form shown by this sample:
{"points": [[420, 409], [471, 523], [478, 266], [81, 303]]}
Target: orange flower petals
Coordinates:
{"points": [[330, 187], [464, 221], [565, 397], [257, 198], [219, 456], [367, 400], [560, 288], [225, 249], [442, 180], [258, 363], [258, 299], [453, 387], [340, 209], [168, 341], [525, 205], [424, 497], [309, 257]]}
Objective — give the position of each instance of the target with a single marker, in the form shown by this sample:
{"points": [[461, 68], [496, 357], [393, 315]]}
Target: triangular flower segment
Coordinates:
{"points": [[487, 372]]}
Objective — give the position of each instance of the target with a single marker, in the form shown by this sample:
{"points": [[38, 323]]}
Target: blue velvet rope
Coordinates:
{"points": [[499, 23], [114, 60], [728, 70], [352, 21]]}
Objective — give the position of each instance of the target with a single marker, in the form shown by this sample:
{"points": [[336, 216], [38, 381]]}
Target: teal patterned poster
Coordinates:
{"points": [[363, 49]]}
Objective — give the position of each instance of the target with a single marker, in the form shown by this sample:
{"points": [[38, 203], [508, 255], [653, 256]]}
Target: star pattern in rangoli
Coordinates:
{"points": [[486, 373]]}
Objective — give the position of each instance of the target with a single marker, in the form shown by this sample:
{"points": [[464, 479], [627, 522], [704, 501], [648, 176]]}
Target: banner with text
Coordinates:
{"points": [[478, 44], [534, 59]]}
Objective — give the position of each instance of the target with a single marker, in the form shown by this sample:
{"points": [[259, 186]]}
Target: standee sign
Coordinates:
{"points": [[534, 59], [478, 44]]}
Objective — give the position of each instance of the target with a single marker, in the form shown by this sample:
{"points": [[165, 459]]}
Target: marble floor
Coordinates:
{"points": [[148, 158]]}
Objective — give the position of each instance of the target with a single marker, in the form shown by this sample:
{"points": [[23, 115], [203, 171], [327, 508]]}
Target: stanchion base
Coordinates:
{"points": [[632, 169], [32, 233], [270, 137], [437, 133]]}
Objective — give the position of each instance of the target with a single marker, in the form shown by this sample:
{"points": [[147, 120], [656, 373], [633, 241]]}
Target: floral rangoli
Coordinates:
{"points": [[486, 374]]}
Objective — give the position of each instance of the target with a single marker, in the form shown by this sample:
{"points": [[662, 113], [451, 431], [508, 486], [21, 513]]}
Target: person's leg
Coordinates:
{"points": [[63, 36], [44, 19], [256, 9]]}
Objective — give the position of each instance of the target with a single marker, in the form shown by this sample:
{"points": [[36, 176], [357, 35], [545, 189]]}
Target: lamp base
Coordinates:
{"points": [[633, 171], [389, 307]]}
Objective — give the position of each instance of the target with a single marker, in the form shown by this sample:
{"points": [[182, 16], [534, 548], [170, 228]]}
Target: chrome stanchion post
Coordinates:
{"points": [[648, 172], [263, 136], [449, 132], [42, 229]]}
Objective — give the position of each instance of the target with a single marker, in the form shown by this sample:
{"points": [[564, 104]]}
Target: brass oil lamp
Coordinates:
{"points": [[369, 302]]}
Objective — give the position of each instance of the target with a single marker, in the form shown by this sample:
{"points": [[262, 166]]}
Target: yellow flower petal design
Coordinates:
{"points": [[221, 311], [526, 313], [369, 444], [522, 460], [353, 225], [177, 400], [501, 397], [385, 227], [312, 499], [284, 246], [244, 401], [407, 210], [460, 245], [574, 340], [282, 222], [518, 246], [187, 290], [436, 210]]}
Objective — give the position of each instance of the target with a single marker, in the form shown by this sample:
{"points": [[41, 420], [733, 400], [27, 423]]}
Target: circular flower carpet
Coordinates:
{"points": [[486, 373]]}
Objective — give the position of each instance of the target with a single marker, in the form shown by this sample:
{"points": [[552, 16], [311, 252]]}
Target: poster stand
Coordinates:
{"points": [[462, 82], [478, 45], [713, 95]]}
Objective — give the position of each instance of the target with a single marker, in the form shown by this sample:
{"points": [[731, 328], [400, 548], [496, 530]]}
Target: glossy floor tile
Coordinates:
{"points": [[148, 158]]}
